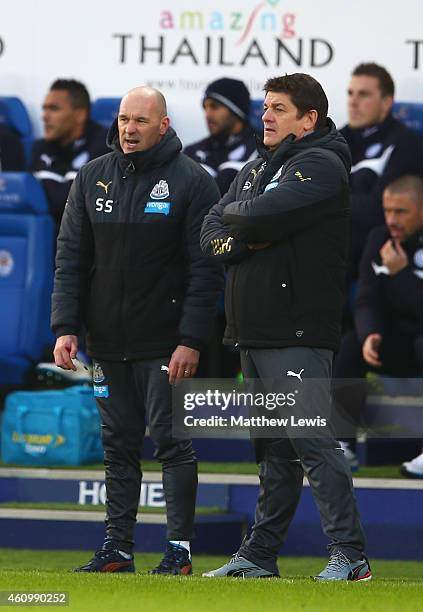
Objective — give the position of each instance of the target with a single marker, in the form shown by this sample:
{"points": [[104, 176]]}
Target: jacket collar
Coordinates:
{"points": [[373, 133]]}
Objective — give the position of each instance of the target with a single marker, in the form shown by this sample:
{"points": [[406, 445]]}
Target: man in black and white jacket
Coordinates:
{"points": [[231, 142], [382, 150], [71, 139], [282, 230], [388, 314]]}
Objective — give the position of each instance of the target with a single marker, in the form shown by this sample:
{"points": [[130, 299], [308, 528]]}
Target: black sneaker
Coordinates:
{"points": [[176, 561], [108, 560]]}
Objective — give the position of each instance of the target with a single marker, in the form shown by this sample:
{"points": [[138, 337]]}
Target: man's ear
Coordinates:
{"points": [[164, 125], [311, 118]]}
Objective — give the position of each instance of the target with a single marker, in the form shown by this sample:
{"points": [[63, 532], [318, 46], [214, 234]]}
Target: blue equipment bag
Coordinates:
{"points": [[51, 428]]}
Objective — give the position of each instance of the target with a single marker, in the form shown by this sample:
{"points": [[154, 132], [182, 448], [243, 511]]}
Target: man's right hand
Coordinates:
{"points": [[371, 349], [393, 256], [64, 351]]}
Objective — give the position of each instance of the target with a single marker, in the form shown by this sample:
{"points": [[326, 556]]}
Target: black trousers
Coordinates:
{"points": [[283, 462], [130, 394]]}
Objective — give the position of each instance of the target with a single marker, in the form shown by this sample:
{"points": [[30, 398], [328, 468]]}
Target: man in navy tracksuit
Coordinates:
{"points": [[282, 230], [388, 315], [382, 150], [231, 142], [70, 140]]}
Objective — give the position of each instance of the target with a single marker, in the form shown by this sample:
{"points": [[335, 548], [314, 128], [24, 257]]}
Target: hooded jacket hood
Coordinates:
{"points": [[327, 138]]}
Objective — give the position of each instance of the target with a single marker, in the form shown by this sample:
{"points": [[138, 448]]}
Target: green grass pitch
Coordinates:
{"points": [[397, 586]]}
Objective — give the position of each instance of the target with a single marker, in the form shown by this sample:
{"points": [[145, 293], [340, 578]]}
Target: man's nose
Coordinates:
{"points": [[267, 115], [131, 126], [352, 100]]}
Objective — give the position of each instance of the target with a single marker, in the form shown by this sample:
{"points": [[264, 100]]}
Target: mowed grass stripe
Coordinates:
{"points": [[397, 586]]}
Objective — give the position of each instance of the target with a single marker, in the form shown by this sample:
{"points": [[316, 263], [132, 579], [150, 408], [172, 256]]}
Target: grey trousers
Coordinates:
{"points": [[139, 391], [283, 462]]}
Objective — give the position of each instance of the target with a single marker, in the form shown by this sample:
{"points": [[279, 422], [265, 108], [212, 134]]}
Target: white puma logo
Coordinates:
{"points": [[291, 373]]}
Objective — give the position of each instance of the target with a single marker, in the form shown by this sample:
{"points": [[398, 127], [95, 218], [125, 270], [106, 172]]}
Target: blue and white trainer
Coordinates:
{"points": [[176, 561], [342, 568], [109, 560]]}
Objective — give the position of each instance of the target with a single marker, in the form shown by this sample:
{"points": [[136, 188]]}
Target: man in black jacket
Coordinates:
{"points": [[282, 230], [70, 140], [382, 149], [130, 268], [232, 140], [388, 334]]}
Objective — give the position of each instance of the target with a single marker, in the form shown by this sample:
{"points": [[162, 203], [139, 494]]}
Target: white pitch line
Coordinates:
{"points": [[224, 479], [53, 474], [71, 515]]}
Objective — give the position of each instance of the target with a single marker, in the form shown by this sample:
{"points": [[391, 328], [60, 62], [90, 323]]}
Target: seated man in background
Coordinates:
{"points": [[70, 140], [232, 141], [388, 335], [12, 156], [230, 145], [382, 149]]}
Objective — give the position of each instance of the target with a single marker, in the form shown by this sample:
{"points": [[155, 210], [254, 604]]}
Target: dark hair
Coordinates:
{"points": [[78, 93], [305, 93], [384, 79], [408, 183]]}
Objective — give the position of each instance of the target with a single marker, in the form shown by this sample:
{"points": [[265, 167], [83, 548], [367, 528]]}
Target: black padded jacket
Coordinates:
{"points": [[296, 199], [129, 265]]}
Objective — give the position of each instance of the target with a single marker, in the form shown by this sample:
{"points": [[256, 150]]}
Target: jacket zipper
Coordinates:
{"points": [[129, 199]]}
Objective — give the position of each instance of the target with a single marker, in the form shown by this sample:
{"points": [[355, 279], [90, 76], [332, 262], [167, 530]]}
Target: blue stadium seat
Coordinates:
{"points": [[256, 111], [105, 110], [26, 274], [14, 115], [410, 113]]}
